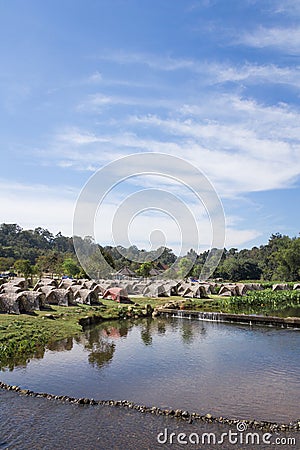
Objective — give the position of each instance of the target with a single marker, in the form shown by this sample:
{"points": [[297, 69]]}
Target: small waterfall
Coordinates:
{"points": [[200, 315], [210, 316], [249, 319]]}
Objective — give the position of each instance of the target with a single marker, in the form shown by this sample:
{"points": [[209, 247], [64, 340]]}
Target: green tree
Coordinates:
{"points": [[234, 269], [289, 261], [230, 269], [166, 256], [145, 269], [96, 264], [70, 267], [51, 262], [6, 263], [185, 267], [268, 256], [23, 267]]}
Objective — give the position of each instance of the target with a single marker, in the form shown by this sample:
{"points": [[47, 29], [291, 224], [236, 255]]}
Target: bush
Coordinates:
{"points": [[266, 298]]}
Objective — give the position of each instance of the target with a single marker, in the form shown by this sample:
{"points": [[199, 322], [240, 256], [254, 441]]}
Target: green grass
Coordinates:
{"points": [[24, 335]]}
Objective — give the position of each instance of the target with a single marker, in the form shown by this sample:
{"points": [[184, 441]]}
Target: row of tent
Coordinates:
{"points": [[189, 289], [16, 297], [285, 287], [85, 291], [240, 289], [168, 288], [160, 288]]}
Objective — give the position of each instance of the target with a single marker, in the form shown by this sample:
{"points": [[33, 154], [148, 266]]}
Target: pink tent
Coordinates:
{"points": [[118, 294]]}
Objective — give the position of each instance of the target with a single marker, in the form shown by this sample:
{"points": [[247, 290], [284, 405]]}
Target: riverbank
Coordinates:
{"points": [[25, 335]]}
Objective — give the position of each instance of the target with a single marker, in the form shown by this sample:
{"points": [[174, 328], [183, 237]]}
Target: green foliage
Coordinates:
{"points": [[289, 261], [97, 265], [6, 263], [240, 269], [17, 243], [70, 267], [23, 267], [144, 269], [263, 300], [50, 262], [278, 259], [185, 267], [25, 336]]}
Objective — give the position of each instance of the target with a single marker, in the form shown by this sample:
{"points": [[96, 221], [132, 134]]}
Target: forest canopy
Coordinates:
{"points": [[39, 251]]}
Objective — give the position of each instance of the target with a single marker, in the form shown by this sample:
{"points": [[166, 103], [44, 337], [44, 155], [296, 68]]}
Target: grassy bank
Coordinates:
{"points": [[27, 335]]}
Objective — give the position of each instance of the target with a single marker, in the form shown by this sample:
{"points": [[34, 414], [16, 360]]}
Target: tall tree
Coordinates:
{"points": [[144, 269], [23, 267], [70, 267]]}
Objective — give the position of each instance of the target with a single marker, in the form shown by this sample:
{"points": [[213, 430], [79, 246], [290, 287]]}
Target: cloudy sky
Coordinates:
{"points": [[214, 82]]}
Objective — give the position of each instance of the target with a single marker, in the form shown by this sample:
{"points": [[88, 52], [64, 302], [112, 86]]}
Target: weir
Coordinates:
{"points": [[250, 319]]}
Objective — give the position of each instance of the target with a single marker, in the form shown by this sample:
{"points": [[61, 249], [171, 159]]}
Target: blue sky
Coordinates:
{"points": [[213, 82]]}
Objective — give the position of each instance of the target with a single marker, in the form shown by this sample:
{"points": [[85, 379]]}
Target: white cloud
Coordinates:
{"points": [[166, 63], [241, 145], [98, 102], [184, 223], [215, 72], [286, 39], [76, 137], [258, 149], [288, 7], [237, 238], [95, 78], [253, 74]]}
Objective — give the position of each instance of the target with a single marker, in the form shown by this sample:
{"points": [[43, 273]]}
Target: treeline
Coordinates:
{"points": [[39, 251], [34, 251], [279, 259]]}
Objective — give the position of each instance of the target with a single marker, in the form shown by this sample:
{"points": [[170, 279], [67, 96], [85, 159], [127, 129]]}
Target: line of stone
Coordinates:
{"points": [[178, 413]]}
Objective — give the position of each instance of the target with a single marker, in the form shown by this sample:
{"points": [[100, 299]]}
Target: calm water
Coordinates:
{"points": [[223, 369], [35, 423]]}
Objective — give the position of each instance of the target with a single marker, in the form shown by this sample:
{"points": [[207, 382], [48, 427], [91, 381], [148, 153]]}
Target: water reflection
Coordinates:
{"points": [[20, 360], [161, 327], [99, 340], [187, 364], [146, 332], [149, 328], [190, 331], [62, 345], [102, 354]]}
